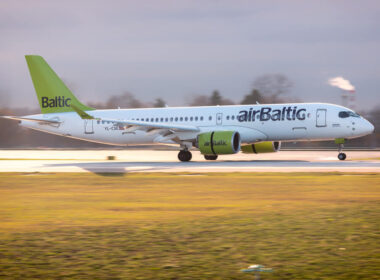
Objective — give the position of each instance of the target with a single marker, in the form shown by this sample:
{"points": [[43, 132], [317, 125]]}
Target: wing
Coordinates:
{"points": [[150, 126], [165, 133]]}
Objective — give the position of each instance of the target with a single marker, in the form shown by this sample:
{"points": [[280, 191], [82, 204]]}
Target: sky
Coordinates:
{"points": [[177, 49]]}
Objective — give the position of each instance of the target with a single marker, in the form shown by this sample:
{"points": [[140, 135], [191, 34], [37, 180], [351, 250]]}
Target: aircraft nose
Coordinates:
{"points": [[368, 127]]}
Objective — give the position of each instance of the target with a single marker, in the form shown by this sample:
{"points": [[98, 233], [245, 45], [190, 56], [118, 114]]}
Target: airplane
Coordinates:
{"points": [[213, 130]]}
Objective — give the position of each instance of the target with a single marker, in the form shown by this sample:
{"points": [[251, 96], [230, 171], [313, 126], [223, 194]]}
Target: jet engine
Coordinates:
{"points": [[219, 142], [261, 147]]}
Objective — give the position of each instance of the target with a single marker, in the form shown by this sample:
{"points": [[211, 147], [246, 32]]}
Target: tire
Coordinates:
{"points": [[184, 156], [342, 156], [210, 157]]}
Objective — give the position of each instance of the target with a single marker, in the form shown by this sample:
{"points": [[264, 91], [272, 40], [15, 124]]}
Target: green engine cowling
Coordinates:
{"points": [[261, 147], [219, 142]]}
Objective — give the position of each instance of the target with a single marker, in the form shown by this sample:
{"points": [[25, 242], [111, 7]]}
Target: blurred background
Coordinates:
{"points": [[134, 54]]}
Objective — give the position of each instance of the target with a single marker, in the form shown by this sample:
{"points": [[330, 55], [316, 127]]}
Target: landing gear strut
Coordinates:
{"points": [[340, 142], [210, 157], [184, 155]]}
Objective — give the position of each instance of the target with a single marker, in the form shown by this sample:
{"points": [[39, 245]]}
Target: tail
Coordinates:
{"points": [[52, 93]]}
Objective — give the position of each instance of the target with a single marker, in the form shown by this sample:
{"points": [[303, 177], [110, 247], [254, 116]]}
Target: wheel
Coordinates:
{"points": [[210, 157], [184, 155], [342, 156]]}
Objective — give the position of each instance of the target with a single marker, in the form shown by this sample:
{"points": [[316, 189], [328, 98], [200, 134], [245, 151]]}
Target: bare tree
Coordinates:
{"points": [[4, 99], [199, 100], [125, 100], [273, 86]]}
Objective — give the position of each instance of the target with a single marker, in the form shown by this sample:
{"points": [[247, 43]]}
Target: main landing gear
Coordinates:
{"points": [[184, 155], [340, 142], [210, 157]]}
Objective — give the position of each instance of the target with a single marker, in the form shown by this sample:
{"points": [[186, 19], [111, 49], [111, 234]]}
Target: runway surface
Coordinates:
{"points": [[166, 161]]}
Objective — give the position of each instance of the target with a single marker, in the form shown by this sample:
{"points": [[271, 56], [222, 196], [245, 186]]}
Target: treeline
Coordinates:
{"points": [[274, 88]]}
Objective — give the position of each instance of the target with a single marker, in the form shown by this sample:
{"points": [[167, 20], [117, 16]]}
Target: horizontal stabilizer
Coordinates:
{"points": [[31, 119]]}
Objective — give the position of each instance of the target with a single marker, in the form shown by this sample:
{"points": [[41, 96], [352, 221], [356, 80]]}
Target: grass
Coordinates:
{"points": [[189, 226]]}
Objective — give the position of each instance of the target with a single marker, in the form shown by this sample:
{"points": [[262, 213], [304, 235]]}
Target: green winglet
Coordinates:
{"points": [[53, 95], [81, 113]]}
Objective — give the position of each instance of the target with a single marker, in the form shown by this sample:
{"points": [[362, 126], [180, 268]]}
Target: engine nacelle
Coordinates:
{"points": [[219, 142], [261, 147]]}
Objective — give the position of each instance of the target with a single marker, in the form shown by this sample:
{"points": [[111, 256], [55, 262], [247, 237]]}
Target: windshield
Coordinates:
{"points": [[346, 114]]}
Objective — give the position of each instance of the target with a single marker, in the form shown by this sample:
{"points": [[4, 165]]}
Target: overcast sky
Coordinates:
{"points": [[176, 49]]}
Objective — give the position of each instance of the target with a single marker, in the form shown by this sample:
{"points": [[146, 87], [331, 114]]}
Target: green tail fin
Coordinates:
{"points": [[52, 93]]}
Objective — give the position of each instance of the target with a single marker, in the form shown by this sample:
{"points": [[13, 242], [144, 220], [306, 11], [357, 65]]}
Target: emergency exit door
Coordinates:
{"points": [[219, 118]]}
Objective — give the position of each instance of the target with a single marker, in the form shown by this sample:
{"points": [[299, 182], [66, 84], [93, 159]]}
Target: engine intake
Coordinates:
{"points": [[219, 142], [261, 147]]}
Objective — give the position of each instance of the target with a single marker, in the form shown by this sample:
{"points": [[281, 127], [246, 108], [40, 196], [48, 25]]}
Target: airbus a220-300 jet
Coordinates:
{"points": [[214, 130]]}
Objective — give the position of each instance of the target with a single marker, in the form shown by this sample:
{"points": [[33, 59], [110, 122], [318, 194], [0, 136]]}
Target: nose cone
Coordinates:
{"points": [[367, 128]]}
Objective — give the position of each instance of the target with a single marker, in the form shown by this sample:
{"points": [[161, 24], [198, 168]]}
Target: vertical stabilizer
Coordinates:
{"points": [[52, 93]]}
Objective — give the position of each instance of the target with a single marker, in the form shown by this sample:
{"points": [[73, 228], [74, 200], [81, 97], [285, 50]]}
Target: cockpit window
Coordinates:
{"points": [[346, 114]]}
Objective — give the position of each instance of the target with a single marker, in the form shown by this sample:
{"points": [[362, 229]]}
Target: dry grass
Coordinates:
{"points": [[189, 226]]}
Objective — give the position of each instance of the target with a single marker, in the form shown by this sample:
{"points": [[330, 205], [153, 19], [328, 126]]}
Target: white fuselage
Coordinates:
{"points": [[264, 122]]}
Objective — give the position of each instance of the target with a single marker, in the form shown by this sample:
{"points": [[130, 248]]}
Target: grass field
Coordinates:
{"points": [[189, 226]]}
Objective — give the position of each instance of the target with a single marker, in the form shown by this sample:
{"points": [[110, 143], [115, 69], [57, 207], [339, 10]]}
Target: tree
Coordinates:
{"points": [[252, 98], [199, 100], [273, 86], [159, 103], [125, 100], [215, 98]]}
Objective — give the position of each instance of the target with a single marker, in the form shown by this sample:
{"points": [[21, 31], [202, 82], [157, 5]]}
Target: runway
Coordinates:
{"points": [[126, 161]]}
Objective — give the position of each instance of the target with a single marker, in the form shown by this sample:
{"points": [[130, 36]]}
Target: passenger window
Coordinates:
{"points": [[162, 119], [152, 120], [185, 119], [176, 119], [191, 119], [209, 118], [171, 119], [181, 119], [156, 119], [196, 119], [201, 118], [232, 117], [166, 119], [228, 117]]}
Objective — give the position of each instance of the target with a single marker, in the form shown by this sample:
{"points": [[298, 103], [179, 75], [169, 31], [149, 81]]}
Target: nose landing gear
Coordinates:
{"points": [[340, 142], [341, 156]]}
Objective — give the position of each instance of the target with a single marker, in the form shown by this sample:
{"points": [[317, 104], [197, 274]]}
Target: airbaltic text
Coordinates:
{"points": [[58, 101], [266, 113]]}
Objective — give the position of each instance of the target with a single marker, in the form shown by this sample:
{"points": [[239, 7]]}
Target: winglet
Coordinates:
{"points": [[82, 113]]}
